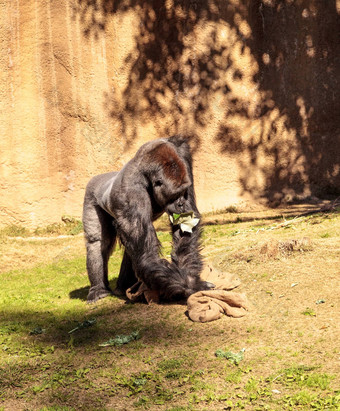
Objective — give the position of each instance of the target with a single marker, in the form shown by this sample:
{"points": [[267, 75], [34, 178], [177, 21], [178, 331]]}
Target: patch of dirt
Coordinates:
{"points": [[16, 253], [274, 249]]}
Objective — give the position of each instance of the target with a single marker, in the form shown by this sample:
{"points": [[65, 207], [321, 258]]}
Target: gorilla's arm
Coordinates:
{"points": [[186, 247], [137, 233], [186, 252], [126, 278]]}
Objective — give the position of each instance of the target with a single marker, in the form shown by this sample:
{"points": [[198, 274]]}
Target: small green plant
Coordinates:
{"points": [[234, 376], [14, 231], [303, 377], [325, 235], [300, 399], [234, 358], [252, 385], [81, 372], [231, 209], [68, 226], [121, 339], [170, 364], [57, 408], [309, 312]]}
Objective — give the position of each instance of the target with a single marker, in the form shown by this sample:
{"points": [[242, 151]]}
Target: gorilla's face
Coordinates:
{"points": [[179, 205], [168, 175], [165, 194], [169, 195]]}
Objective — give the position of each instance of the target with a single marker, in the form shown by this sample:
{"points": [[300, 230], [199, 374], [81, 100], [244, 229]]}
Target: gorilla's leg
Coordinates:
{"points": [[126, 277], [100, 237]]}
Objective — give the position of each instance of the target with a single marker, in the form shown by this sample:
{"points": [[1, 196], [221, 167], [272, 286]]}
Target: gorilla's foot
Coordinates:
{"points": [[96, 294]]}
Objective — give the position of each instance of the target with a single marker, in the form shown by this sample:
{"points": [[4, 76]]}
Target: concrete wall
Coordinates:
{"points": [[255, 83]]}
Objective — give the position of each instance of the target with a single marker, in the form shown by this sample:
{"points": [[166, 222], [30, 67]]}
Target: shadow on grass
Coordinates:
{"points": [[80, 293], [73, 370], [114, 316], [65, 370]]}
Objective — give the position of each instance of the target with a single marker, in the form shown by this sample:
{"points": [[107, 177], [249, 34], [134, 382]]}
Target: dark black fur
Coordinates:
{"points": [[123, 204]]}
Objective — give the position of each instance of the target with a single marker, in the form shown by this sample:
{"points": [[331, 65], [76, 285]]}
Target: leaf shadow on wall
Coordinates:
{"points": [[260, 76]]}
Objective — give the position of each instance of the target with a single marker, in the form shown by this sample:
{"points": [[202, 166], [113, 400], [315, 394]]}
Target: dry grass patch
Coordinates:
{"points": [[275, 249]]}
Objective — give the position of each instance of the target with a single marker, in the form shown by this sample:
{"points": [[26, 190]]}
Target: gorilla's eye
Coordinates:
{"points": [[158, 183]]}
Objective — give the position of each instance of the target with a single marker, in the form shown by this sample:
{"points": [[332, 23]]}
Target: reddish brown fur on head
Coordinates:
{"points": [[173, 166]]}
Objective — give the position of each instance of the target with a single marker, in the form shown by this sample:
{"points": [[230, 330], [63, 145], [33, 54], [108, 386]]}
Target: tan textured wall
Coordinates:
{"points": [[85, 82]]}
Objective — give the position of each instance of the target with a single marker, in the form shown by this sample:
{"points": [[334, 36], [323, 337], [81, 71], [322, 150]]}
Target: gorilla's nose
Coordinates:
{"points": [[180, 203]]}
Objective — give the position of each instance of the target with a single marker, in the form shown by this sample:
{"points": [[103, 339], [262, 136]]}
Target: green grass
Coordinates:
{"points": [[14, 231], [173, 365], [68, 226]]}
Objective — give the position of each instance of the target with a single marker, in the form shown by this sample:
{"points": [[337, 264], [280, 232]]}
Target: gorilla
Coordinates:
{"points": [[123, 205]]}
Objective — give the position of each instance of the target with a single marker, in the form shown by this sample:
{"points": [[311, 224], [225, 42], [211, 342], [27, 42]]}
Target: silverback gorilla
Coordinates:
{"points": [[124, 204]]}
